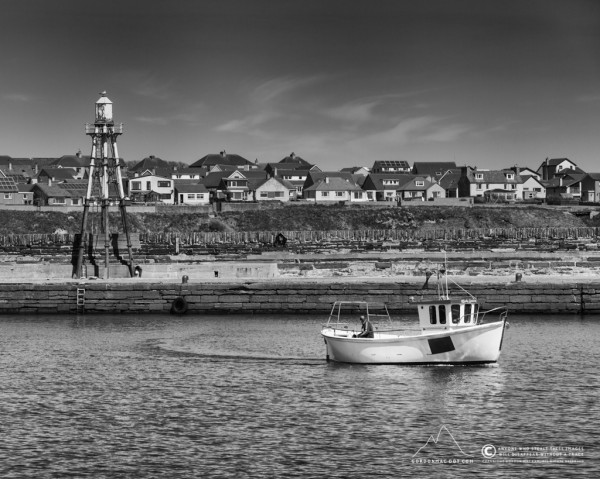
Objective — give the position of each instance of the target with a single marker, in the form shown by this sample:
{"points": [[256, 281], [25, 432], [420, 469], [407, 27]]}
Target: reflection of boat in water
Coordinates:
{"points": [[450, 331]]}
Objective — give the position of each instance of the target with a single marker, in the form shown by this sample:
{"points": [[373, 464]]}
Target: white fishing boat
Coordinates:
{"points": [[450, 331]]}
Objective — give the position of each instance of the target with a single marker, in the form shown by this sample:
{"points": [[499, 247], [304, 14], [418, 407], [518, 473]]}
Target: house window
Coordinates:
{"points": [[279, 194], [7, 196], [358, 195], [264, 194], [164, 184], [339, 193], [136, 185], [164, 197], [75, 201], [191, 196], [479, 185], [59, 201], [513, 187], [324, 193], [479, 176], [419, 183], [200, 196]]}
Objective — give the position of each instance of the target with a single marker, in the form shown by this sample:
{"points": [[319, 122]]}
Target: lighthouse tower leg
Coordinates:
{"points": [[105, 171]]}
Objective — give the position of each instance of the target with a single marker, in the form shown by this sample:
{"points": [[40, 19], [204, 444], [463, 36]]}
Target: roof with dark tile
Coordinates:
{"points": [[56, 173], [493, 176], [53, 191], [433, 168], [333, 184], [293, 159], [390, 164], [149, 163], [190, 188], [222, 158], [374, 181]]}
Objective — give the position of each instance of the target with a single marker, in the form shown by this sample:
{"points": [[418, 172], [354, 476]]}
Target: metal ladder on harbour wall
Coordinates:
{"points": [[80, 300]]}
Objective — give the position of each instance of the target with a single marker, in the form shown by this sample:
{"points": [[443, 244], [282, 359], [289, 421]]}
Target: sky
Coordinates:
{"points": [[487, 83]]}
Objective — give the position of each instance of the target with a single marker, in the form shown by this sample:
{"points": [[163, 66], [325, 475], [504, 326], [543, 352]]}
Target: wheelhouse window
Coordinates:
{"points": [[467, 313], [455, 311], [442, 314], [432, 315]]}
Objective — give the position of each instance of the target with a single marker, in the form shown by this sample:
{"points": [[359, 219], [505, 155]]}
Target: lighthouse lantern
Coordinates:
{"points": [[104, 109]]}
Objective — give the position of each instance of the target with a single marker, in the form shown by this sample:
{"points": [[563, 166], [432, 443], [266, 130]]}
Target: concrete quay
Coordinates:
{"points": [[543, 294]]}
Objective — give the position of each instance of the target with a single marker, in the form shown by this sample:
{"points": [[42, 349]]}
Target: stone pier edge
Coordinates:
{"points": [[548, 295]]}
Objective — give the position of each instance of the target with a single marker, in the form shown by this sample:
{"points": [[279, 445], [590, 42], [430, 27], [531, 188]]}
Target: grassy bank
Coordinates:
{"points": [[308, 217]]}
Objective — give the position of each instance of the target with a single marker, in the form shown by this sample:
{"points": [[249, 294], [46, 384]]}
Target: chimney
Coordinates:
{"points": [[9, 165], [517, 170], [292, 155], [327, 179], [223, 154], [78, 154], [275, 171], [545, 170]]}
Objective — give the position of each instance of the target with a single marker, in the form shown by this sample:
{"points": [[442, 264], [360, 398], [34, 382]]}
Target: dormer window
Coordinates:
{"points": [[419, 183], [479, 176], [510, 176]]}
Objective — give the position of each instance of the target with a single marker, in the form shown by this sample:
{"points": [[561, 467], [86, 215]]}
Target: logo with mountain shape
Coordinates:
{"points": [[442, 444]]}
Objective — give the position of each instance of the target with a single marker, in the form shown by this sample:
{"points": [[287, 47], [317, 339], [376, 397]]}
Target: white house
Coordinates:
{"points": [[474, 182], [533, 189], [272, 189], [151, 189], [328, 190], [190, 194]]}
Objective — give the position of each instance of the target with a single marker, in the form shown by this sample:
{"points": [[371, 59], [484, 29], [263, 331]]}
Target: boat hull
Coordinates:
{"points": [[478, 344]]}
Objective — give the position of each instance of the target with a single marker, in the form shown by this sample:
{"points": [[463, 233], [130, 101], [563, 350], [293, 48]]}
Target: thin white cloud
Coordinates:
{"points": [[277, 87], [589, 98], [17, 97], [355, 112], [153, 120], [445, 133], [420, 129], [248, 124], [145, 83]]}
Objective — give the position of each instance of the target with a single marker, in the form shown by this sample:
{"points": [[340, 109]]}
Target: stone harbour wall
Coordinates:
{"points": [[297, 296]]}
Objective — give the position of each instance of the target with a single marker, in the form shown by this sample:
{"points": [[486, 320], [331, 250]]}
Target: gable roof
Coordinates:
{"points": [[333, 184], [149, 163], [222, 158], [52, 191], [296, 161], [314, 176], [71, 161], [374, 181], [411, 185], [190, 188], [255, 184], [433, 168], [390, 164], [56, 173], [493, 176]]}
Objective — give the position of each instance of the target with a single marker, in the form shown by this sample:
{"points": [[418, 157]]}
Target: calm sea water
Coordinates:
{"points": [[234, 396]]}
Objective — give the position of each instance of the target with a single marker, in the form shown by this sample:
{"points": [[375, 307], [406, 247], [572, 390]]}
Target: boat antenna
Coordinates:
{"points": [[444, 272]]}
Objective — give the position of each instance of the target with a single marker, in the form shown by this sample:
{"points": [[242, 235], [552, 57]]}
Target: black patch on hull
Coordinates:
{"points": [[441, 345]]}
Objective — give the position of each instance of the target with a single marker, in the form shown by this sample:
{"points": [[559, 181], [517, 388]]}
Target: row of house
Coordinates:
{"points": [[226, 177]]}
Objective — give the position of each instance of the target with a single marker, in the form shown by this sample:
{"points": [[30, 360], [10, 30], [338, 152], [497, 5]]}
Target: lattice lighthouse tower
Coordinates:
{"points": [[105, 184]]}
